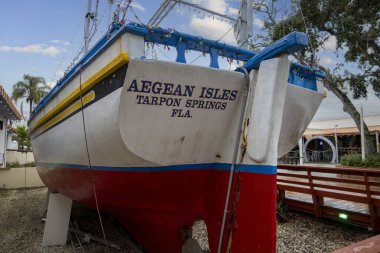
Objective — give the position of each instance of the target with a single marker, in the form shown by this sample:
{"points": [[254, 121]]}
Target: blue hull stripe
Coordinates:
{"points": [[259, 169]]}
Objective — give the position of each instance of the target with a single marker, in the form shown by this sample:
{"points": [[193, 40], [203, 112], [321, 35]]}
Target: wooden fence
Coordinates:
{"points": [[328, 188]]}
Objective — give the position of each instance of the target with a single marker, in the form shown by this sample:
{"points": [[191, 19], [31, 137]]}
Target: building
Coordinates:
{"points": [[8, 113], [320, 143]]}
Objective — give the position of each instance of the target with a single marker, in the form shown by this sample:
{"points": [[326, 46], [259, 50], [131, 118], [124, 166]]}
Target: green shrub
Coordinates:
{"points": [[29, 164], [355, 160], [372, 161], [352, 160], [13, 165], [18, 165]]}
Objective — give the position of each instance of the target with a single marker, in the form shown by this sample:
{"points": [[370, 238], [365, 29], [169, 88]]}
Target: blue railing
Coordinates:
{"points": [[299, 75]]}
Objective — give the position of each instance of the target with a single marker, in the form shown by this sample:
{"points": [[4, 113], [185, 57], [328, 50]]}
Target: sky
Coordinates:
{"points": [[42, 37]]}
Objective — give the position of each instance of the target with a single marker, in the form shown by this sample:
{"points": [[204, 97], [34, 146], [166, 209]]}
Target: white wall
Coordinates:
{"points": [[11, 144], [3, 142], [19, 178], [21, 157]]}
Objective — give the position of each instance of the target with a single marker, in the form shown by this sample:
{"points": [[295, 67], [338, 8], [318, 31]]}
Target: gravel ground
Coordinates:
{"points": [[21, 229]]}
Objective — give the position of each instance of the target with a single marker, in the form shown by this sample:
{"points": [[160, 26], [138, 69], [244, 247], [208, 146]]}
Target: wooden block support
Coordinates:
{"points": [[57, 220]]}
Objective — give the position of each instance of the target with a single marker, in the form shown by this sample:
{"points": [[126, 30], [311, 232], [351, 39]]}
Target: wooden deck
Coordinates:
{"points": [[350, 195], [371, 245]]}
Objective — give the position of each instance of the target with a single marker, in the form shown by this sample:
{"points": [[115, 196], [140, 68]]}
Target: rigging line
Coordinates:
{"points": [[89, 159], [311, 44], [136, 16], [70, 43], [224, 35], [163, 53]]}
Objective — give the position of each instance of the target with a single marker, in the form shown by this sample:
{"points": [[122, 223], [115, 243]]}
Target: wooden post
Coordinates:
{"points": [[316, 200], [280, 195], [371, 207]]}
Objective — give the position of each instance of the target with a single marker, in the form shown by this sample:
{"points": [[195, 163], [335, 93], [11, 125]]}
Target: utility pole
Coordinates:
{"points": [[244, 25], [300, 147], [362, 137], [89, 16], [336, 146]]}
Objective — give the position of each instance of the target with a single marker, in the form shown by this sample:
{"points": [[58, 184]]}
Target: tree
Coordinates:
{"points": [[32, 88], [354, 25], [22, 138]]}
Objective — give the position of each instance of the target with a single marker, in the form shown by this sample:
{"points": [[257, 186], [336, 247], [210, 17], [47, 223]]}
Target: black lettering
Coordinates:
{"points": [[216, 94], [202, 93], [209, 93], [168, 90], [233, 95], [154, 101], [133, 86], [189, 90], [139, 97], [145, 87], [226, 94], [157, 88], [178, 91]]}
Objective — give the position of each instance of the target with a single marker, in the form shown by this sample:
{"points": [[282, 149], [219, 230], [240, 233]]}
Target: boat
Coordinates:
{"points": [[161, 145]]}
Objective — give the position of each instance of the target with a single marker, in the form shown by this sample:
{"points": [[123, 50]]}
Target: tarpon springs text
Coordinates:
{"points": [[187, 96]]}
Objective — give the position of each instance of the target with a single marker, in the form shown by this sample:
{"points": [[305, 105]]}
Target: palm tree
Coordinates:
{"points": [[23, 138], [32, 88]]}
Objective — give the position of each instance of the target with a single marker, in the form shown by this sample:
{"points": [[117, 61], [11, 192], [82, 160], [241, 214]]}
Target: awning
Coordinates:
{"points": [[7, 108], [340, 131]]}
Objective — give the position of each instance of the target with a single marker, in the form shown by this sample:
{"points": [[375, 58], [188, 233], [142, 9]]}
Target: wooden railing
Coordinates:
{"points": [[337, 193]]}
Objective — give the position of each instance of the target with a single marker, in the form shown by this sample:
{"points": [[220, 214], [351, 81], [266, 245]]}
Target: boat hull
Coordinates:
{"points": [[152, 143], [156, 206]]}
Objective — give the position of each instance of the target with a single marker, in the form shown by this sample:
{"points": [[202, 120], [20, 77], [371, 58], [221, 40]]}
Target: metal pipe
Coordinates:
{"points": [[377, 142], [234, 157], [336, 146]]}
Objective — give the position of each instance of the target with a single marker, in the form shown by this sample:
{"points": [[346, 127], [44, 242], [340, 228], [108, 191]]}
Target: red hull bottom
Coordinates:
{"points": [[156, 207]]}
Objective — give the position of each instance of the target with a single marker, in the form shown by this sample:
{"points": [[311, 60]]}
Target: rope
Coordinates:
{"points": [[89, 161], [234, 156]]}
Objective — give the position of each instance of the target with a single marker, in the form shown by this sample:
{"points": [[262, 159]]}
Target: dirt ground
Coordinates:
{"points": [[21, 229]]}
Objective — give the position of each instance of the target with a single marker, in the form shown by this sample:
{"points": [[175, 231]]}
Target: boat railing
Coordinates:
{"points": [[289, 44], [300, 75]]}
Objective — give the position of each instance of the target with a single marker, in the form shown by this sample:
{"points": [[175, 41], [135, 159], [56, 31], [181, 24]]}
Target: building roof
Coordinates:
{"points": [[7, 108], [339, 131]]}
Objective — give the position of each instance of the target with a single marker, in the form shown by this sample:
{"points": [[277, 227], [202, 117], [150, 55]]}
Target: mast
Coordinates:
{"points": [[88, 17], [244, 25], [110, 3], [243, 28]]}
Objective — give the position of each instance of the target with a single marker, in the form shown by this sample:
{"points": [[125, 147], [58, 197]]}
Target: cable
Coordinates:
{"points": [[89, 159], [136, 16]]}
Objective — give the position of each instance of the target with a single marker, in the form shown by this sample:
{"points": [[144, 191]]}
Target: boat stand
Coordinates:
{"points": [[57, 220]]}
